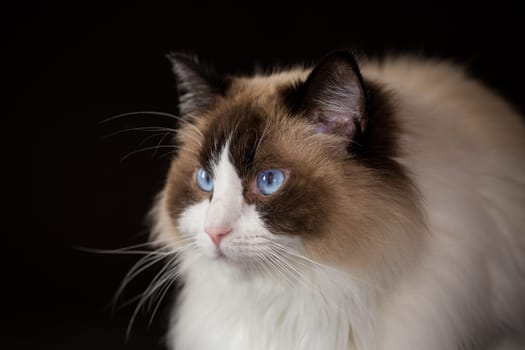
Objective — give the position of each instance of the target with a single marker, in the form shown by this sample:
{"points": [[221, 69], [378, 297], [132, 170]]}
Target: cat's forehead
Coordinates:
{"points": [[267, 84], [240, 125], [249, 118]]}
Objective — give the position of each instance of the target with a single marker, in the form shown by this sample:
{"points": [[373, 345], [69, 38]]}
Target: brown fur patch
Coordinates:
{"points": [[348, 205]]}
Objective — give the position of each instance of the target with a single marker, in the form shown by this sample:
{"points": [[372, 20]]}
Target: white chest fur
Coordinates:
{"points": [[218, 311]]}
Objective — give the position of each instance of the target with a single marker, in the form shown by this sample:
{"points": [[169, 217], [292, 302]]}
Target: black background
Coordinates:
{"points": [[78, 63]]}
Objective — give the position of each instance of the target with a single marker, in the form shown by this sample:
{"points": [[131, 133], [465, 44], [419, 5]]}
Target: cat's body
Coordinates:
{"points": [[409, 237]]}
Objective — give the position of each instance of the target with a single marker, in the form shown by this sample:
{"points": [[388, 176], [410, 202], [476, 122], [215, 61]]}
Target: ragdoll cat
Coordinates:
{"points": [[345, 207]]}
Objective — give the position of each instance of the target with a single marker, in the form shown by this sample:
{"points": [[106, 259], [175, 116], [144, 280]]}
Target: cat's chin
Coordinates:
{"points": [[219, 255], [227, 258], [235, 262]]}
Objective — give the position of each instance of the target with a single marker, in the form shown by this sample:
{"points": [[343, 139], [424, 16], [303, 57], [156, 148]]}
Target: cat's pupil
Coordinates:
{"points": [[269, 178]]}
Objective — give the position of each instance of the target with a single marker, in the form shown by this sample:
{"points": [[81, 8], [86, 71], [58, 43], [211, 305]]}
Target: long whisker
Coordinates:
{"points": [[143, 298], [142, 265], [165, 275], [162, 114], [171, 278], [278, 268], [294, 254], [166, 132], [160, 141], [155, 282], [144, 128], [163, 131], [288, 266], [150, 137], [166, 154], [126, 250], [134, 246], [147, 149]]}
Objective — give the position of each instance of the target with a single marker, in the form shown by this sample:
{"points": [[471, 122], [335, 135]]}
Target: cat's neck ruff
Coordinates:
{"points": [[267, 312]]}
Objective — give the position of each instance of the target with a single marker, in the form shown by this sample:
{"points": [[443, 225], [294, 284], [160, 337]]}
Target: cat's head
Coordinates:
{"points": [[295, 165]]}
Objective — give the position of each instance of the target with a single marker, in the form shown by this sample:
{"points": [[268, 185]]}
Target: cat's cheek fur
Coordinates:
{"points": [[191, 228], [250, 242]]}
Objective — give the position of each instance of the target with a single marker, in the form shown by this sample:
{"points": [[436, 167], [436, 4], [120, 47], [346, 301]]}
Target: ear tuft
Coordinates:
{"points": [[198, 86]]}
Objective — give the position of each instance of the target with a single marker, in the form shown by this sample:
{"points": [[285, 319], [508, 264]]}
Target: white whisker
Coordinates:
{"points": [[170, 279], [162, 114], [147, 149], [145, 128], [142, 265], [160, 283]]}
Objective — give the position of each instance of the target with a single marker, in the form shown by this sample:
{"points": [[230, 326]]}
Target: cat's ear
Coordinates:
{"points": [[198, 85], [334, 96]]}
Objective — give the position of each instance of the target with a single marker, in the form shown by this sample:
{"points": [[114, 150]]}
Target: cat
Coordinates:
{"points": [[377, 205]]}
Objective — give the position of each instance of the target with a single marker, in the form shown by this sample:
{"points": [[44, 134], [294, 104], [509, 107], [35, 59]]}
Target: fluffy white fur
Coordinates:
{"points": [[465, 150]]}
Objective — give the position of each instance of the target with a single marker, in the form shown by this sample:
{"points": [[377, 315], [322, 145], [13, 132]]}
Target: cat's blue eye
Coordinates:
{"points": [[204, 180], [269, 181]]}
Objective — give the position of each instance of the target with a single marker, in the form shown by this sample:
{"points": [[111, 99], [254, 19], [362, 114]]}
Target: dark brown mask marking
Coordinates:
{"points": [[335, 135]]}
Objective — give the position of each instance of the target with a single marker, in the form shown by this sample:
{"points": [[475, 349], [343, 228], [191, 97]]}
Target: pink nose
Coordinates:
{"points": [[217, 233]]}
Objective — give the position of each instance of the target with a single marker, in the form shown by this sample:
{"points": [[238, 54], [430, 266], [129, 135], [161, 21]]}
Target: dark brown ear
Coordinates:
{"points": [[334, 96], [198, 86]]}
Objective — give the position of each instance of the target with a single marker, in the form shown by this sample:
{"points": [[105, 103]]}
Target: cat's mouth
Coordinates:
{"points": [[219, 254]]}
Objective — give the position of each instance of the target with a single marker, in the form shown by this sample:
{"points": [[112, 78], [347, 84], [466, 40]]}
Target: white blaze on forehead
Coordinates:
{"points": [[226, 204]]}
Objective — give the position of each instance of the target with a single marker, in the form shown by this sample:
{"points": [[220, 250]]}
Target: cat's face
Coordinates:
{"points": [[267, 170]]}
